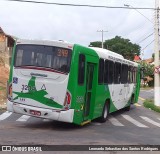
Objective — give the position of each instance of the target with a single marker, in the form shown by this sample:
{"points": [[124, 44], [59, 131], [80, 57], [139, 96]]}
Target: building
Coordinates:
{"points": [[137, 58], [6, 46], [149, 61]]}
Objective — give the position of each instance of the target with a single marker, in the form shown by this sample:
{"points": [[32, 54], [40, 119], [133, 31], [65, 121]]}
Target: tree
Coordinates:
{"points": [[121, 46], [96, 44], [148, 73]]}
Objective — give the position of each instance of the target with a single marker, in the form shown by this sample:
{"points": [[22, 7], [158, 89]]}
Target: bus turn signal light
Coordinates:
{"points": [[10, 92], [67, 101]]}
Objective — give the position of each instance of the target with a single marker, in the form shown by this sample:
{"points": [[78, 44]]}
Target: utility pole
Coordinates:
{"points": [[156, 58], [102, 31]]}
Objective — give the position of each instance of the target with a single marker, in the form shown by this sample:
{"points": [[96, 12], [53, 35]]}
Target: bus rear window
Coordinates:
{"points": [[56, 58]]}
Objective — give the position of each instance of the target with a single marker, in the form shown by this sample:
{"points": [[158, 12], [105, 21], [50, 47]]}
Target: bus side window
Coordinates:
{"points": [[124, 74], [117, 72], [130, 74], [135, 74], [111, 72], [81, 69], [101, 71], [106, 72]]}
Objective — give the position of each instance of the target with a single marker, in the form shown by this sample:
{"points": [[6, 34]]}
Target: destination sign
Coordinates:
{"points": [[62, 52]]}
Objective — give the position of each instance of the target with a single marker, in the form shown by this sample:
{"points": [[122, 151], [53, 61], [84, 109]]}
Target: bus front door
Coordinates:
{"points": [[89, 90]]}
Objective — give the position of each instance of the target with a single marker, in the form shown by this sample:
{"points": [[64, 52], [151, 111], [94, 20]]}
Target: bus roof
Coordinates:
{"points": [[104, 52], [60, 43], [107, 54]]}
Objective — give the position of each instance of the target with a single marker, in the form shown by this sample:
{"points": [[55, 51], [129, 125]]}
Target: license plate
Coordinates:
{"points": [[36, 113]]}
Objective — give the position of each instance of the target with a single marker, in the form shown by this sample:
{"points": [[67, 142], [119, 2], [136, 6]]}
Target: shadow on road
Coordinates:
{"points": [[62, 126]]}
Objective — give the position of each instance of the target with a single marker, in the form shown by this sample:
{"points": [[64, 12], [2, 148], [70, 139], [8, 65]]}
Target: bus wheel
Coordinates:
{"points": [[128, 107], [104, 116], [131, 102]]}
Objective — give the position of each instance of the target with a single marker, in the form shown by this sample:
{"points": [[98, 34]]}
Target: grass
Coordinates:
{"points": [[148, 103]]}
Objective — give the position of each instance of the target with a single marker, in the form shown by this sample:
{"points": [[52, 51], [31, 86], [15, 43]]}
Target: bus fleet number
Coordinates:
{"points": [[30, 88]]}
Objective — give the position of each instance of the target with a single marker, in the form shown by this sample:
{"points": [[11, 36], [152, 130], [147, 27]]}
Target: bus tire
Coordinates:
{"points": [[128, 107], [105, 112], [132, 99], [131, 102]]}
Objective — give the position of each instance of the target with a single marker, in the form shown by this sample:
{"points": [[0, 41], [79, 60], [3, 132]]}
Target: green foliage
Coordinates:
{"points": [[96, 44], [148, 69], [121, 46], [148, 72], [153, 55], [150, 104]]}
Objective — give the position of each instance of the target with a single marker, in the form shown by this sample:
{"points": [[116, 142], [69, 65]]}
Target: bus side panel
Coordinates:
{"points": [[102, 92], [137, 89], [103, 95]]}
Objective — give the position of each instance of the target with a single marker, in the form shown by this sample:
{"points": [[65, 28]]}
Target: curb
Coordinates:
{"points": [[142, 99]]}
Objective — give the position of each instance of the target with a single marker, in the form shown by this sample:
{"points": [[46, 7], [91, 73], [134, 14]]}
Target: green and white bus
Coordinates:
{"points": [[69, 82]]}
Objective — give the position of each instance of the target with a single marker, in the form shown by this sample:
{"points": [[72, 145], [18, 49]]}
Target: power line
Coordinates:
{"points": [[142, 51], [145, 38], [139, 13], [84, 5], [147, 45]]}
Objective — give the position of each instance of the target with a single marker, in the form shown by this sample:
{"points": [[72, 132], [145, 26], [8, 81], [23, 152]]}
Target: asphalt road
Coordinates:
{"points": [[119, 131], [147, 94], [139, 126]]}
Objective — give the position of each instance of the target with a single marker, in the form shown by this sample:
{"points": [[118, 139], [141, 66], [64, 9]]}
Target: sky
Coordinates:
{"points": [[80, 24]]}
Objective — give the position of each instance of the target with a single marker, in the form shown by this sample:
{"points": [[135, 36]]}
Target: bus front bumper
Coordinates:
{"points": [[53, 114]]}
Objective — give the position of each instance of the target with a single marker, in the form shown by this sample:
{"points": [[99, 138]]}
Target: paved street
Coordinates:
{"points": [[147, 94], [139, 126]]}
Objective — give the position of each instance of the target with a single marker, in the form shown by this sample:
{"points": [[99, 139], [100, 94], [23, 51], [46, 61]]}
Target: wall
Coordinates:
{"points": [[5, 51]]}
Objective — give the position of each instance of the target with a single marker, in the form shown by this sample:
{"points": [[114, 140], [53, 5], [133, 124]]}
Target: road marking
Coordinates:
{"points": [[150, 121], [115, 122], [23, 118], [135, 122], [46, 120], [142, 99], [136, 104], [5, 115]]}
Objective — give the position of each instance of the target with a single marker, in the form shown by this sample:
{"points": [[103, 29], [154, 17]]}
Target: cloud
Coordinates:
{"points": [[76, 24]]}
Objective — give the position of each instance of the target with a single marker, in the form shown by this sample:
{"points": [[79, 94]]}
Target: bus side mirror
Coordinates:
{"points": [[142, 72]]}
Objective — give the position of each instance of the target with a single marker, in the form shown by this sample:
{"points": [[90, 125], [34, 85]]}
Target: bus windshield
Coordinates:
{"points": [[56, 58]]}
